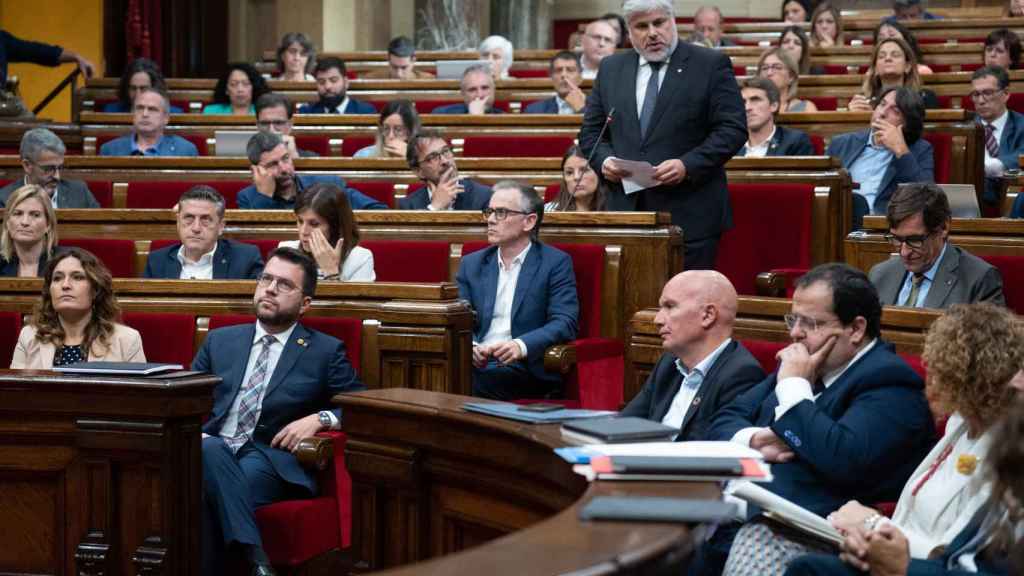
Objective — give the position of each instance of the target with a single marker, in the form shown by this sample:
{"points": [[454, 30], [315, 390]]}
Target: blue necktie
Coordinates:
{"points": [[650, 98]]}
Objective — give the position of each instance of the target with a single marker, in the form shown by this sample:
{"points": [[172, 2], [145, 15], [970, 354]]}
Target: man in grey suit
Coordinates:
{"points": [[42, 157], [930, 272]]}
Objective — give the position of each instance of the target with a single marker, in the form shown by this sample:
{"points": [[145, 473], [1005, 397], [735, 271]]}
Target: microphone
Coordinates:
{"points": [[600, 135]]}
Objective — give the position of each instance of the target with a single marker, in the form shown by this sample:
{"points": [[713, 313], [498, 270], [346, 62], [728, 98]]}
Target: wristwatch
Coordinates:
{"points": [[325, 418], [871, 522]]}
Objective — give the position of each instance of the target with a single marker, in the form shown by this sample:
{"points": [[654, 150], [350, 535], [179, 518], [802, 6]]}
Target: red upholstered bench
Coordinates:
{"points": [[516, 146], [1012, 269], [10, 328], [409, 261], [319, 144], [166, 338], [824, 102], [102, 191], [352, 144], [528, 73], [117, 255], [819, 144], [164, 195], [380, 191], [772, 229], [942, 151], [764, 352]]}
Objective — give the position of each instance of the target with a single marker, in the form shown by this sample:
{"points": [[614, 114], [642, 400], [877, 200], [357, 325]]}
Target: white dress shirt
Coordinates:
{"points": [[993, 165], [643, 76], [340, 109], [501, 318], [761, 150], [692, 379], [201, 269], [563, 106]]}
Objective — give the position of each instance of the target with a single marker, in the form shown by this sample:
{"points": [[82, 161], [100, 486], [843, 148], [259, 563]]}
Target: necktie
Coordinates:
{"points": [[915, 288], [991, 144], [249, 404], [650, 98]]}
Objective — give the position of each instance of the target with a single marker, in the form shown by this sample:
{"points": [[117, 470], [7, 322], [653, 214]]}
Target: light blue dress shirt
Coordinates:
{"points": [[869, 168], [926, 284]]}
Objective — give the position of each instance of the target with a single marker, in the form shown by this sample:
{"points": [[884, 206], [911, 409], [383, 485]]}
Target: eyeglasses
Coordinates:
{"points": [[51, 169], [397, 131], [771, 68], [284, 285], [445, 152], [809, 324], [278, 124], [985, 94], [501, 213], [915, 242]]}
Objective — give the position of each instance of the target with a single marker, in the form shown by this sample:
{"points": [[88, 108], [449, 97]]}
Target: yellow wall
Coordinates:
{"points": [[74, 24]]}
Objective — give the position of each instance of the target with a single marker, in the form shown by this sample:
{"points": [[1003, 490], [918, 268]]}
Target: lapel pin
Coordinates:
{"points": [[302, 342], [696, 401], [679, 70]]}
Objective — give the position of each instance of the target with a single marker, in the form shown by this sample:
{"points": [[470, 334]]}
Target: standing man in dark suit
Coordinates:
{"points": [[201, 253], [277, 380], [686, 118], [764, 137], [430, 156], [930, 272], [42, 158], [841, 408], [524, 295], [564, 69], [702, 368], [332, 87]]}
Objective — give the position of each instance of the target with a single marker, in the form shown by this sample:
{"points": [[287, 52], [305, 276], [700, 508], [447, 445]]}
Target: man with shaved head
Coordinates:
{"points": [[702, 368]]}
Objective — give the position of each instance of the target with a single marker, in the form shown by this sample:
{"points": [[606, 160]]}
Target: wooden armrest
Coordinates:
{"points": [[560, 358], [315, 452], [771, 284]]}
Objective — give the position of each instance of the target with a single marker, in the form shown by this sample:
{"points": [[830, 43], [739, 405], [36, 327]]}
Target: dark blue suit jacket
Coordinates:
{"points": [[306, 377], [1011, 146], [249, 198], [787, 142], [549, 106], [545, 306], [232, 261], [475, 196], [872, 423], [14, 49], [353, 107], [916, 166], [461, 109]]}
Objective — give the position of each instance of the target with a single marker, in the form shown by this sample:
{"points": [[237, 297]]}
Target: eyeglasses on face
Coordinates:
{"points": [[501, 213], [397, 131], [915, 242], [445, 152], [809, 324], [984, 94], [284, 285]]}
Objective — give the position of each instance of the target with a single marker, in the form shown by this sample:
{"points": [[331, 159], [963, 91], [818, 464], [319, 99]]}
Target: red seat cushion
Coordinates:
{"points": [[102, 191], [942, 151], [409, 261], [772, 229], [824, 103], [513, 146], [1012, 269], [294, 531], [117, 255], [10, 328], [352, 144], [319, 144], [166, 338], [164, 195], [379, 191]]}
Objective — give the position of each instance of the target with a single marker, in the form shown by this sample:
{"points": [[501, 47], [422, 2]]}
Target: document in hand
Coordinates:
{"points": [[786, 512]]}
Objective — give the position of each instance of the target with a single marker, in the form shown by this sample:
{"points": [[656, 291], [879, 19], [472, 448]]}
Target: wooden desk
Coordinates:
{"points": [[482, 495], [101, 475]]}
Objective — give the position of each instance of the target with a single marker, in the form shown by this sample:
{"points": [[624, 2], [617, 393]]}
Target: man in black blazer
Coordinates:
{"points": [[430, 156], [42, 158], [764, 137], [702, 368], [202, 254], [687, 123]]}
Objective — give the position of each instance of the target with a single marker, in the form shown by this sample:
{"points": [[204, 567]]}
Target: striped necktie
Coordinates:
{"points": [[991, 144], [249, 404]]}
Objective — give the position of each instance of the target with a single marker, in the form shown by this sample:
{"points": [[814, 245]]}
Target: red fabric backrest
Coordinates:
{"points": [[10, 328], [428, 106], [588, 267], [551, 192], [348, 330], [380, 191], [165, 337], [319, 144], [102, 191], [265, 246], [764, 351], [528, 73], [352, 144], [1012, 269], [941, 68], [197, 139], [409, 261], [164, 195], [117, 255], [824, 102], [819, 144], [516, 146], [942, 150], [772, 229]]}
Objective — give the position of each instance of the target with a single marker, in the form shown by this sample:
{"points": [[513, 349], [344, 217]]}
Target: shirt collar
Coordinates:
{"points": [[135, 143], [340, 109], [767, 142], [998, 123], [562, 104], [517, 261], [704, 365], [834, 375], [204, 260], [281, 337]]}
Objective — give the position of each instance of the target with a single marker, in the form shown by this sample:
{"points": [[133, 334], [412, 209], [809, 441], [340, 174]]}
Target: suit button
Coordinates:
{"points": [[788, 434]]}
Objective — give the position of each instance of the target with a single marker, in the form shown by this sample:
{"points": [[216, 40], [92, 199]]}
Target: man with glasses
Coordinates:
{"points": [[1004, 128], [150, 115], [201, 253], [524, 295], [276, 185], [274, 114], [42, 158], [599, 40], [430, 156], [277, 380], [843, 418], [929, 272]]}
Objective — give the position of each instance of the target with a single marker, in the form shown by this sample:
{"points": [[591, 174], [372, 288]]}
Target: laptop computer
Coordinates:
{"points": [[232, 142], [453, 69], [963, 200]]}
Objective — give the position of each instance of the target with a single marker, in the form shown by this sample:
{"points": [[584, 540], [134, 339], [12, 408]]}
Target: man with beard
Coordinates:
{"points": [[677, 107], [332, 86], [42, 157], [275, 185], [277, 380], [431, 157], [565, 75]]}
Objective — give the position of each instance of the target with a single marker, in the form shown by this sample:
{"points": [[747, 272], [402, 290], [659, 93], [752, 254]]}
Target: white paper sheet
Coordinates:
{"points": [[695, 449], [641, 175]]}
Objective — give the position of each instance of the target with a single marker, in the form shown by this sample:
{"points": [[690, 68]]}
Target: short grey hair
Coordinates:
{"points": [[709, 9], [631, 8], [38, 139], [476, 68], [499, 43], [261, 143], [158, 91], [204, 193]]}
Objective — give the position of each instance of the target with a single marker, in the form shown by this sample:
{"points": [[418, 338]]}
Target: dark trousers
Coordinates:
{"points": [[510, 382], [821, 565], [700, 254], [234, 485], [709, 558]]}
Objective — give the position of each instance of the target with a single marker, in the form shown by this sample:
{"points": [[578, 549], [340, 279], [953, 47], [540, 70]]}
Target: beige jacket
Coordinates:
{"points": [[125, 346]]}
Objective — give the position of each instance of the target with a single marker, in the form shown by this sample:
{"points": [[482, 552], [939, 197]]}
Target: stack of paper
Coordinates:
{"points": [[786, 512], [668, 461], [516, 412]]}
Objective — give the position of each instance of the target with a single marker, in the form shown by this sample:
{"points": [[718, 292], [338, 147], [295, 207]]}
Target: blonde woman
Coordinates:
{"points": [[29, 234], [776, 65], [892, 64]]}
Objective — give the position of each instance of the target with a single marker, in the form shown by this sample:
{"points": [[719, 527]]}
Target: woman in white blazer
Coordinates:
{"points": [[75, 319]]}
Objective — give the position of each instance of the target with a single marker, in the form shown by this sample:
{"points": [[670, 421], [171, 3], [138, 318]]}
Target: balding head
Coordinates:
{"points": [[696, 314]]}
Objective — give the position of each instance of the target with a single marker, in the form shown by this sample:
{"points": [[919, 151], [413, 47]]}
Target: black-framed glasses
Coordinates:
{"points": [[51, 169], [809, 324], [501, 213], [284, 285], [915, 242], [985, 94], [445, 152]]}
